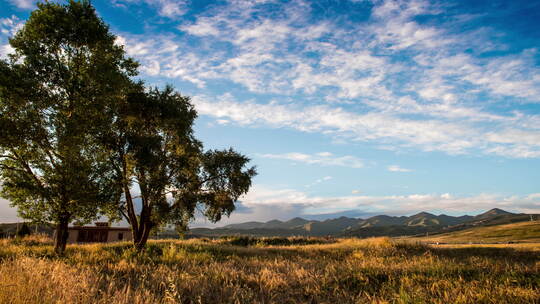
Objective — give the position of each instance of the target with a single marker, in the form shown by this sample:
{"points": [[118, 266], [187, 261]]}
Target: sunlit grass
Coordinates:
{"points": [[378, 270]]}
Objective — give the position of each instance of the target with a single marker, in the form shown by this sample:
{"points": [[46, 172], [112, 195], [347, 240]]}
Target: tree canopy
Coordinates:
{"points": [[155, 150], [80, 138], [56, 93]]}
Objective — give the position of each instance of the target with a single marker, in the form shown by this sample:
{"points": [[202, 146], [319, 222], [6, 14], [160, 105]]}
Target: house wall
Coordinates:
{"points": [[114, 236], [72, 237]]}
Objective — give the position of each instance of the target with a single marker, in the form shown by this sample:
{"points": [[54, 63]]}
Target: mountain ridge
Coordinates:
{"points": [[379, 225]]}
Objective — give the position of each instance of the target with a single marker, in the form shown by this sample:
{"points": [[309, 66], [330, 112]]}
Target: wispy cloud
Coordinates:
{"points": [[24, 4], [8, 27], [323, 158], [320, 180], [165, 8], [396, 168], [401, 83], [453, 137], [391, 204]]}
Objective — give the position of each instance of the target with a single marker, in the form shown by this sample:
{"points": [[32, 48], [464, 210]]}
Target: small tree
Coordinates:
{"points": [[157, 153], [56, 97]]}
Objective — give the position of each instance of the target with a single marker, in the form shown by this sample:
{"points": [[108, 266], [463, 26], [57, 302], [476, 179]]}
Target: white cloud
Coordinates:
{"points": [[10, 25], [391, 204], [324, 154], [169, 8], [358, 62], [396, 168], [318, 159], [203, 27], [161, 56], [5, 50], [388, 128], [165, 8], [24, 4], [396, 30], [318, 181], [405, 85]]}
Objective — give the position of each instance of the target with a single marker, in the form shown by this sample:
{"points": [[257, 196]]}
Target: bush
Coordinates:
{"points": [[273, 241], [23, 231]]}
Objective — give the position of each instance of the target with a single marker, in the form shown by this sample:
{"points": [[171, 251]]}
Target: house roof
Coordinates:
{"points": [[99, 228]]}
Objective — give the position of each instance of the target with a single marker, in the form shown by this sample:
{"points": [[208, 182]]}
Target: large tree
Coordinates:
{"points": [[158, 158], [57, 97]]}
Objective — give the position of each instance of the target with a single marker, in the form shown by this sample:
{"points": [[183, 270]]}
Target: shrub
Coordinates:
{"points": [[23, 231]]}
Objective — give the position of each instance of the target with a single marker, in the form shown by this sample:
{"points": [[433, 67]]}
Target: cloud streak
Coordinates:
{"points": [[171, 9], [389, 79], [391, 204], [459, 137], [24, 4], [322, 158], [396, 168]]}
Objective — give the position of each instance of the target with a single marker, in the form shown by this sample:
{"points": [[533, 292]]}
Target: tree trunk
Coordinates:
{"points": [[145, 222], [145, 225], [61, 235], [142, 238], [134, 222]]}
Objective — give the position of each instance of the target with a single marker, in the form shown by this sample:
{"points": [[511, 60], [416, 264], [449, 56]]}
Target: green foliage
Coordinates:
{"points": [[55, 97], [76, 133], [273, 241], [155, 148]]}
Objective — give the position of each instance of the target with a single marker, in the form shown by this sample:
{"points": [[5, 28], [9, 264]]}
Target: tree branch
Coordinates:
{"points": [[212, 178], [2, 166], [29, 170], [124, 215]]}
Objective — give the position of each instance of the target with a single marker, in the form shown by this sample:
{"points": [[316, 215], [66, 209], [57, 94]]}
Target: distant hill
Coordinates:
{"points": [[247, 225], [526, 231], [380, 225], [492, 213], [273, 224]]}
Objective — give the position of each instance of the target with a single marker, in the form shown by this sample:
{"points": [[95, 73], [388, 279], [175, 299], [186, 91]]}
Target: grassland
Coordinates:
{"points": [[268, 271], [516, 232]]}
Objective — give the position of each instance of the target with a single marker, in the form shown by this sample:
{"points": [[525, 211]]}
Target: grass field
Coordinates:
{"points": [[268, 271], [516, 232]]}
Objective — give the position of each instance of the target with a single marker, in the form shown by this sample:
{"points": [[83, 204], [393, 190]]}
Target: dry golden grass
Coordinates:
{"points": [[376, 270]]}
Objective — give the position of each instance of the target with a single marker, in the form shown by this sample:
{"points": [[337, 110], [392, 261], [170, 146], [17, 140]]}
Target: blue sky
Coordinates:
{"points": [[349, 107]]}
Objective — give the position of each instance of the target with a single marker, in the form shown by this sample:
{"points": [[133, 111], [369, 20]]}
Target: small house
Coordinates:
{"points": [[102, 232]]}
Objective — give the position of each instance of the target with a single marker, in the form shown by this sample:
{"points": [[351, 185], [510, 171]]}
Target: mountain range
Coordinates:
{"points": [[380, 225]]}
